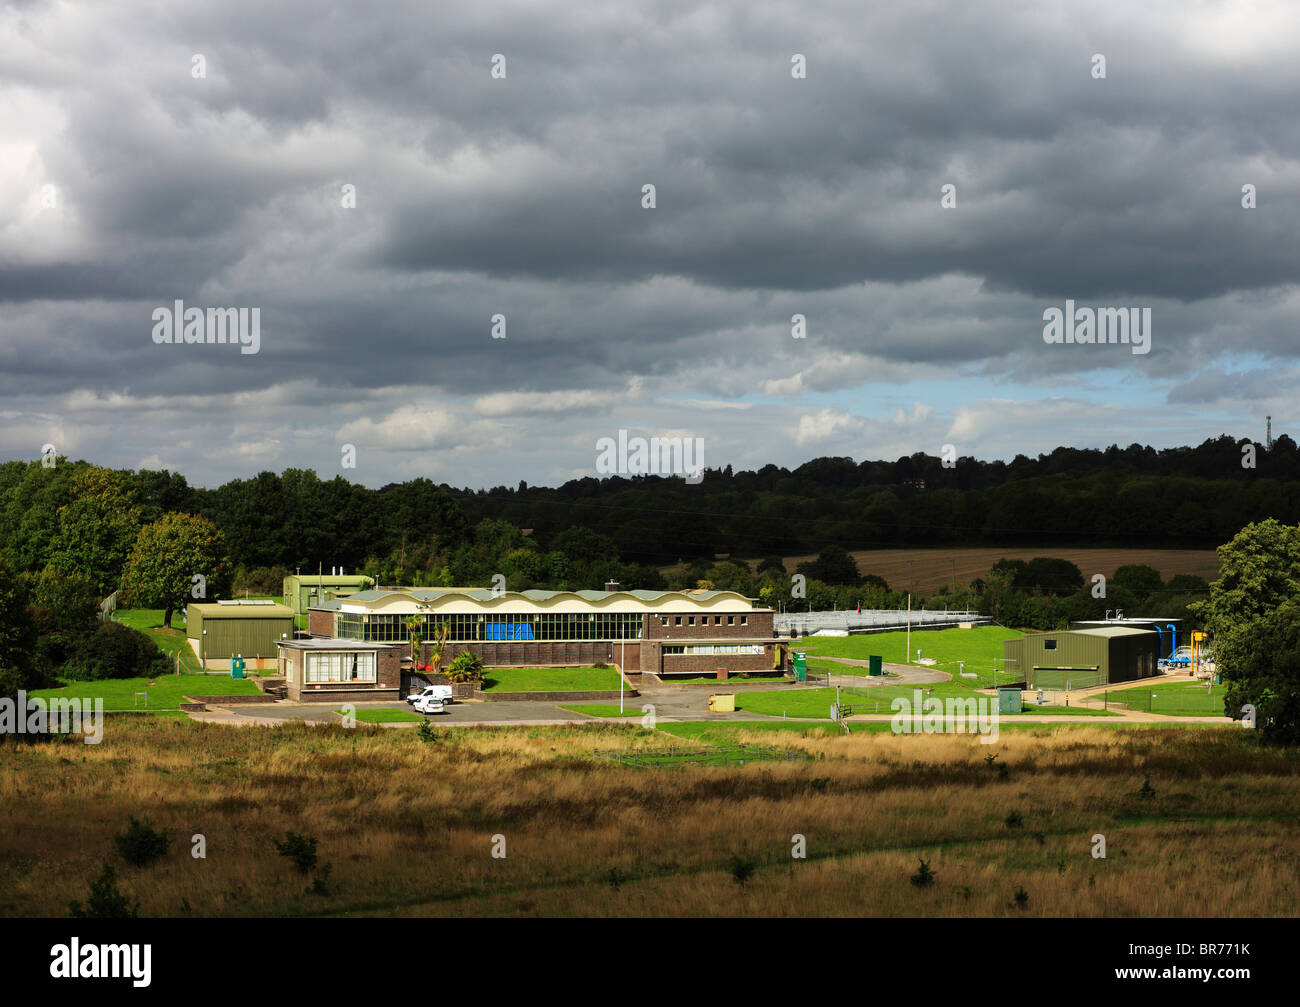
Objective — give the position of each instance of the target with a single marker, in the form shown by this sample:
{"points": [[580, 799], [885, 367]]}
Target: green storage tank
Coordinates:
{"points": [[876, 665], [800, 666]]}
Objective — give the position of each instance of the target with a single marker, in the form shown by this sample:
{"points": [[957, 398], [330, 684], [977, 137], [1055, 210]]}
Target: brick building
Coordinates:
{"points": [[326, 670], [665, 632]]}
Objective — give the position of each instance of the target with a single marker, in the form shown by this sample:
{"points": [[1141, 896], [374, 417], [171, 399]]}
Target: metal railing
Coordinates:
{"points": [[874, 620]]}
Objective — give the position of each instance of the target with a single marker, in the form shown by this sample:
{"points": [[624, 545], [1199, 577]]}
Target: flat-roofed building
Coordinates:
{"points": [[250, 629], [324, 669], [664, 632]]}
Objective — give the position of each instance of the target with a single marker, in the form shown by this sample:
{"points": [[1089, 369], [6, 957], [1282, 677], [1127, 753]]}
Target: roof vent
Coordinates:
{"points": [[611, 585]]}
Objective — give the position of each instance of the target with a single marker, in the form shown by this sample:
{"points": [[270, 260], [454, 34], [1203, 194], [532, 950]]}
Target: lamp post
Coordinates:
{"points": [[622, 663]]}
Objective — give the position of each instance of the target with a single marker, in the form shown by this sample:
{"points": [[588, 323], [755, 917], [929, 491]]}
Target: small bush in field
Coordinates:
{"points": [[924, 876], [300, 849], [140, 845], [106, 902]]}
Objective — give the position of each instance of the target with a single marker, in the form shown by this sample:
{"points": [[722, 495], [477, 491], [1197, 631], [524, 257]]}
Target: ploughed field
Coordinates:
{"points": [[407, 824], [931, 569]]}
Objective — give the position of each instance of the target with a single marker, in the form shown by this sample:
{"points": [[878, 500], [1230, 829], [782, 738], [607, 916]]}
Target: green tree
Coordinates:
{"points": [[833, 565], [1139, 578], [17, 636], [1258, 571], [1263, 670], [166, 557], [97, 529]]}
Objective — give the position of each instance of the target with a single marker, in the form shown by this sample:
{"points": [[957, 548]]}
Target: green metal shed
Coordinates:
{"points": [[1082, 658], [250, 628], [304, 591]]}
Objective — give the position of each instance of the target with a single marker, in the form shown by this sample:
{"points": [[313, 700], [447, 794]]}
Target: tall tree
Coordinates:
{"points": [[168, 554], [97, 529]]}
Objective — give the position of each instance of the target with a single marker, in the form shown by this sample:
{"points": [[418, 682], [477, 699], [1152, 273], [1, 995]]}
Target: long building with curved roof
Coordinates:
{"points": [[664, 632]]}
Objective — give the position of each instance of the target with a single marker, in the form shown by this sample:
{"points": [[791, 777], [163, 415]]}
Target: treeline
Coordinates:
{"points": [[1180, 497], [77, 517]]}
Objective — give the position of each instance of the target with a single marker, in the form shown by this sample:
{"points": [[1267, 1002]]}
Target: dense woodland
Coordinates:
{"points": [[79, 518], [72, 532]]}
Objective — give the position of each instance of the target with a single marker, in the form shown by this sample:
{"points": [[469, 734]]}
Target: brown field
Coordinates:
{"points": [[933, 568], [408, 825]]}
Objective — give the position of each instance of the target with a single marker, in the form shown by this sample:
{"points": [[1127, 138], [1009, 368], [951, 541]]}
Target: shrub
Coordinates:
{"points": [[105, 901], [742, 869], [425, 732], [1147, 792], [1014, 820], [140, 845], [116, 651], [320, 884], [924, 876], [298, 848], [1022, 897], [467, 667]]}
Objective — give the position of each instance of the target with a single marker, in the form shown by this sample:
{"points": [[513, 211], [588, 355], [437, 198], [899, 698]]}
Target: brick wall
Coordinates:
{"points": [[758, 626], [709, 663], [542, 653], [320, 622], [388, 676]]}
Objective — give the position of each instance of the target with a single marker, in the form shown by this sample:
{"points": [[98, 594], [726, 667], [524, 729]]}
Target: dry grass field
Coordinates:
{"points": [[933, 568], [407, 825]]}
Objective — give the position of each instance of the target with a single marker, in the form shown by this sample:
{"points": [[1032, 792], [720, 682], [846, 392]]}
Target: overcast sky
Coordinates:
{"points": [[160, 151]]}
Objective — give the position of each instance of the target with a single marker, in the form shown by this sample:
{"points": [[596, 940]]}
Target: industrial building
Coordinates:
{"points": [[225, 629], [1082, 658], [1167, 630], [667, 633], [302, 591]]}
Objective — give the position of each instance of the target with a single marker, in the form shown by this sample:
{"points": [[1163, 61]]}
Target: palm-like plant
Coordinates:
{"points": [[437, 647], [414, 625]]}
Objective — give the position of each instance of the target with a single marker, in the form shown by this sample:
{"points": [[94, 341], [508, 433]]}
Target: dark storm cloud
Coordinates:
{"points": [[522, 197]]}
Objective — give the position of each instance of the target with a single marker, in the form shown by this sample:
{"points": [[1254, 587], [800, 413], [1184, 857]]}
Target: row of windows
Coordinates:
{"points": [[713, 648], [704, 620], [340, 668], [504, 626]]}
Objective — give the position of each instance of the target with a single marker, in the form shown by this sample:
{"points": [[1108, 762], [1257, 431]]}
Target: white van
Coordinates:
{"points": [[439, 692]]}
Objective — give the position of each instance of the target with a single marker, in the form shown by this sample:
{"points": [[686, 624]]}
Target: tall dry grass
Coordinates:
{"points": [[407, 825]]}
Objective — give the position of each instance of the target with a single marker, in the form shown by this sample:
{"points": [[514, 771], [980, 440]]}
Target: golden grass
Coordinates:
{"points": [[407, 826]]}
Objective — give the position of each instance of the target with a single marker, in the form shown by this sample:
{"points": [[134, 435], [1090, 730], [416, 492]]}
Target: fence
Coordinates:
{"points": [[876, 620], [720, 755]]}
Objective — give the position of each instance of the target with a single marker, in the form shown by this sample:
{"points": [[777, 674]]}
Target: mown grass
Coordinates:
{"points": [[585, 837], [549, 679], [1178, 699], [977, 647], [166, 692], [629, 709]]}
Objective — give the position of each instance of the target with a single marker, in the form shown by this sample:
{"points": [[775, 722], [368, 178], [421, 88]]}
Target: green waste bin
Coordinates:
{"points": [[876, 665], [800, 666], [237, 667]]}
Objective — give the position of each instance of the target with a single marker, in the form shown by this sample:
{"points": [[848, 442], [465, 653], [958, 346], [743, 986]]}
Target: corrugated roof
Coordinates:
{"points": [[484, 594], [211, 610], [1111, 631]]}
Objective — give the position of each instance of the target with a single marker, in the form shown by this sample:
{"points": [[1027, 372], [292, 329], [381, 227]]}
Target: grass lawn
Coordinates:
{"points": [[977, 647], [876, 699], [169, 641], [165, 692], [1182, 699], [549, 679], [382, 716], [631, 709], [733, 732]]}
